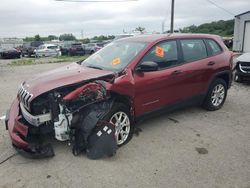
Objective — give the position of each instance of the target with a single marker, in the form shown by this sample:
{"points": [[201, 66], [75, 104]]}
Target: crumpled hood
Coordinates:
{"points": [[65, 75]]}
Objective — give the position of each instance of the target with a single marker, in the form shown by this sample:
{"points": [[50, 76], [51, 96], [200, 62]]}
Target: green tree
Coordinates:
{"points": [[221, 27], [52, 37], [37, 38], [103, 38], [67, 37], [140, 29]]}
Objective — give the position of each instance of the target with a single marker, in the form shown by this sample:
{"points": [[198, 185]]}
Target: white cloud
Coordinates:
{"points": [[22, 18]]}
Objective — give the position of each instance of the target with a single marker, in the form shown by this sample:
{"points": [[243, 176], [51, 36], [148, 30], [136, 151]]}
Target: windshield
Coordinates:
{"points": [[115, 56]]}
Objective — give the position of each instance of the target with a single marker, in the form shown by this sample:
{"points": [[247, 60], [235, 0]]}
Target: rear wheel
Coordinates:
{"points": [[216, 95], [120, 116]]}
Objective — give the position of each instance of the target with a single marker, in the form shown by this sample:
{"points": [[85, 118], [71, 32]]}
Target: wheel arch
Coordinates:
{"points": [[126, 100], [225, 75]]}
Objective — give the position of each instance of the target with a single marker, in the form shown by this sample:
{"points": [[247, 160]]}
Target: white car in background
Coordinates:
{"points": [[47, 50]]}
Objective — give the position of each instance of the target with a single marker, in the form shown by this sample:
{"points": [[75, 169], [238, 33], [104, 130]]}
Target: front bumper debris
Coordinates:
{"points": [[34, 120], [37, 153], [18, 132]]}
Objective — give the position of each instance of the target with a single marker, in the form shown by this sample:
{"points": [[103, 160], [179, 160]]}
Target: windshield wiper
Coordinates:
{"points": [[94, 67]]}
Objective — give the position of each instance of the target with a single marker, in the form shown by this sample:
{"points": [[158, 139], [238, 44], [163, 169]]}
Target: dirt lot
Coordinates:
{"points": [[187, 148]]}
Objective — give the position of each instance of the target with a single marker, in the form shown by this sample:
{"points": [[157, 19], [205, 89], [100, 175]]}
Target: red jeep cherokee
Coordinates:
{"points": [[122, 83]]}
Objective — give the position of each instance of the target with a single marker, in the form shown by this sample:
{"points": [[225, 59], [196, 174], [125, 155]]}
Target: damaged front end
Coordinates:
{"points": [[72, 113]]}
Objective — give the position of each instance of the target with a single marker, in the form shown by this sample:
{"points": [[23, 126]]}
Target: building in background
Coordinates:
{"points": [[10, 42], [241, 41]]}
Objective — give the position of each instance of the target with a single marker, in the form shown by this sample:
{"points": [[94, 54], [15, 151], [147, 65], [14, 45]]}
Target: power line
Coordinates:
{"points": [[220, 7], [96, 1]]}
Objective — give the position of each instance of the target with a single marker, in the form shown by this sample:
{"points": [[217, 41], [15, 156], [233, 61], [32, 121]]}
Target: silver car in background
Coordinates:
{"points": [[47, 50]]}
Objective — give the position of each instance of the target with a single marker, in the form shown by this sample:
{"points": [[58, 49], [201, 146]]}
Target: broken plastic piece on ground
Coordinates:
{"points": [[2, 118], [88, 121], [37, 153], [102, 141]]}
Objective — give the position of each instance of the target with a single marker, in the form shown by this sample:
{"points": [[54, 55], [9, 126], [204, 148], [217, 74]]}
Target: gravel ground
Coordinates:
{"points": [[186, 148]]}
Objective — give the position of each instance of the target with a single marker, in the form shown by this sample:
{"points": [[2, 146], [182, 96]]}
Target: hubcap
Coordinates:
{"points": [[218, 95], [122, 126]]}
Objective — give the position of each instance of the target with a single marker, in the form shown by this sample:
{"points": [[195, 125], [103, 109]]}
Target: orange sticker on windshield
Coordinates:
{"points": [[116, 61], [159, 51]]}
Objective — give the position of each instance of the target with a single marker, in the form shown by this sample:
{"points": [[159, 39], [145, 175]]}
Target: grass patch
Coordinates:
{"points": [[70, 58], [60, 59], [22, 62]]}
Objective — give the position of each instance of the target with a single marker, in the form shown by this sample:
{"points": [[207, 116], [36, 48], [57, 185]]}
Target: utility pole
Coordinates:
{"points": [[162, 26], [172, 18]]}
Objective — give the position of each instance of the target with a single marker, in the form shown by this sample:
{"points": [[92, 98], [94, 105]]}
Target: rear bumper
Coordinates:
{"points": [[18, 132]]}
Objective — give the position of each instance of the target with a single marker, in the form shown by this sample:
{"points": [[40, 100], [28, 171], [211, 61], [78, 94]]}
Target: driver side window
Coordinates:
{"points": [[164, 54]]}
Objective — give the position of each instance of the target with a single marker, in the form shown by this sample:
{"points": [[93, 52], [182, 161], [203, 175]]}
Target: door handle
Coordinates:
{"points": [[211, 63], [176, 72]]}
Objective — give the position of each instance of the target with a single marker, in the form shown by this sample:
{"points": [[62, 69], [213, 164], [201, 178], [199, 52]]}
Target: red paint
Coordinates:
{"points": [[65, 75]]}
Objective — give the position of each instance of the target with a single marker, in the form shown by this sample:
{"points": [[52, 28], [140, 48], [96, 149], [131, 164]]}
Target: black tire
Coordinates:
{"points": [[119, 107], [208, 104], [237, 78]]}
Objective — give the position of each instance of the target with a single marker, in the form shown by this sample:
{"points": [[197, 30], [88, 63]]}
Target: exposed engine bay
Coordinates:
{"points": [[75, 114]]}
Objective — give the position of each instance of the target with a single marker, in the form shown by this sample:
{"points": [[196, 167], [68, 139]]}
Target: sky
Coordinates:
{"points": [[21, 18]]}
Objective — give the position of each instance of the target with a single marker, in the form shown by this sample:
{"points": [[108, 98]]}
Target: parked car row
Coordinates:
{"points": [[40, 49]]}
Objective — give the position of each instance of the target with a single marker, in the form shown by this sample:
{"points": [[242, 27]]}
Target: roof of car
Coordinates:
{"points": [[158, 37]]}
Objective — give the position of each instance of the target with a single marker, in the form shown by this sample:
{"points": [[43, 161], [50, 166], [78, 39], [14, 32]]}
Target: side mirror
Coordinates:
{"points": [[147, 66]]}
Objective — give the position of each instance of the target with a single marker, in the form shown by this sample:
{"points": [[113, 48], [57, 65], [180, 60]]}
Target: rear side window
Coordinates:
{"points": [[214, 47], [193, 49], [164, 54]]}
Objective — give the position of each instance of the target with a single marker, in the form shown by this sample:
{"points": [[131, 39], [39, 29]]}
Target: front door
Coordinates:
{"points": [[156, 89]]}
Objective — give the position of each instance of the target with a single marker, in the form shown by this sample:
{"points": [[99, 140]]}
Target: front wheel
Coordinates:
{"points": [[216, 95], [120, 116]]}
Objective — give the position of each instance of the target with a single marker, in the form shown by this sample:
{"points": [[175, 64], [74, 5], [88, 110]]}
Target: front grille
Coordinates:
{"points": [[245, 67], [24, 97]]}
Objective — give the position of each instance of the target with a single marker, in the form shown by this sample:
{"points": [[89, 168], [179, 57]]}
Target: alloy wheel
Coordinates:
{"points": [[218, 95], [122, 126]]}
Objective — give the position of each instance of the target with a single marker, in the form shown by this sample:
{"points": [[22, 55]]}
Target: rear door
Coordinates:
{"points": [[194, 69]]}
